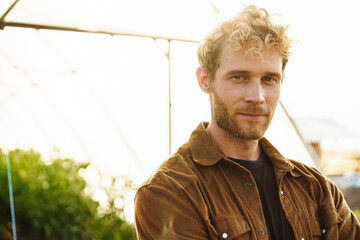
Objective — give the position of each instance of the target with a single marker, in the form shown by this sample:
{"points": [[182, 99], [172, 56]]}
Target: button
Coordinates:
{"points": [[262, 232], [224, 235], [248, 185], [323, 231], [281, 192]]}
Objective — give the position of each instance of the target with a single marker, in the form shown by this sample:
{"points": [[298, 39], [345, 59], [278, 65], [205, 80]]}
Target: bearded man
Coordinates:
{"points": [[228, 181]]}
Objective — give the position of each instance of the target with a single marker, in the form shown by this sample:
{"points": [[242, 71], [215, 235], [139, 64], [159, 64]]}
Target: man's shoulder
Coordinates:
{"points": [[175, 173], [306, 171]]}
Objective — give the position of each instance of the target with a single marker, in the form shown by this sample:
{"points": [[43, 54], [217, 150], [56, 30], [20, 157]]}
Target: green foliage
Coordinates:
{"points": [[357, 213], [50, 202]]}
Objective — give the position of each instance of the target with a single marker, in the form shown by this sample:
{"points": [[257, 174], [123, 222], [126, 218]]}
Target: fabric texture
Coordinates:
{"points": [[199, 193], [278, 227]]}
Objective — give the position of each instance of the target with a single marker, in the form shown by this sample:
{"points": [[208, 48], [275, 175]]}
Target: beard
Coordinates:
{"points": [[225, 118]]}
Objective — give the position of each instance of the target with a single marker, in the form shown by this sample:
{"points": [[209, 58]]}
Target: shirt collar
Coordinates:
{"points": [[205, 152], [275, 156]]}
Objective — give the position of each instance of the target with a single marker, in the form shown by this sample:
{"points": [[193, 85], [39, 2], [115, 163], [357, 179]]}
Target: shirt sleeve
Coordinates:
{"points": [[349, 227], [161, 213]]}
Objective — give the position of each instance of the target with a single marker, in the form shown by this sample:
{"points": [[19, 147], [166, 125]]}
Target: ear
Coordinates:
{"points": [[203, 80], [283, 77]]}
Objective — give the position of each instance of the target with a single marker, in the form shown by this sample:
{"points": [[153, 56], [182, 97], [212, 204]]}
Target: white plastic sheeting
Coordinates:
{"points": [[173, 19], [105, 98]]}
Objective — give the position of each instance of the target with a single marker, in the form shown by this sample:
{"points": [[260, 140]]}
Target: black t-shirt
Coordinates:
{"points": [[262, 171]]}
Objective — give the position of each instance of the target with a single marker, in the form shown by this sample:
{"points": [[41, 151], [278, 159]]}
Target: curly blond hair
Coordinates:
{"points": [[249, 31]]}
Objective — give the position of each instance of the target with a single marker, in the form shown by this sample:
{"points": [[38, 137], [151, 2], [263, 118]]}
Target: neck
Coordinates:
{"points": [[233, 146]]}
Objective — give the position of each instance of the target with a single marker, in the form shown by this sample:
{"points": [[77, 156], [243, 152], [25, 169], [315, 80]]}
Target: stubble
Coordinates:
{"points": [[226, 119]]}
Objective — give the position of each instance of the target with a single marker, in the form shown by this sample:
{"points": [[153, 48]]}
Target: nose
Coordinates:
{"points": [[255, 92]]}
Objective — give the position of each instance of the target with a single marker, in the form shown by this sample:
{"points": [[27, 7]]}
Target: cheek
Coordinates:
{"points": [[273, 96], [229, 95]]}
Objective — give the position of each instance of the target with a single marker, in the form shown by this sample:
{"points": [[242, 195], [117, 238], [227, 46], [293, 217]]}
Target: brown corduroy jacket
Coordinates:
{"points": [[198, 193]]}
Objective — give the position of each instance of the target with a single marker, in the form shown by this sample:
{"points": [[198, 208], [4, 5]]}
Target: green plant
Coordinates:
{"points": [[357, 213], [50, 202]]}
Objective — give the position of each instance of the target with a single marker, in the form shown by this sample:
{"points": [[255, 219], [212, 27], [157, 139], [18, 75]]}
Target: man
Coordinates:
{"points": [[228, 181]]}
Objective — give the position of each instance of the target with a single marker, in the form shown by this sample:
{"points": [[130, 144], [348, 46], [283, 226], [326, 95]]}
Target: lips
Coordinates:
{"points": [[252, 114]]}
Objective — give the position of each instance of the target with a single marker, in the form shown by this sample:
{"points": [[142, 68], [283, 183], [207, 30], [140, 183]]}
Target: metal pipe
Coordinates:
{"points": [[7, 12], [70, 29], [170, 116], [11, 196]]}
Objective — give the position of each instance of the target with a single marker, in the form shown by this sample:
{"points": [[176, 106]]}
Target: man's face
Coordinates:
{"points": [[245, 92]]}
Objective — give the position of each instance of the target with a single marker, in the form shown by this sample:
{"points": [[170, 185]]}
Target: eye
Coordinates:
{"points": [[270, 79], [239, 77]]}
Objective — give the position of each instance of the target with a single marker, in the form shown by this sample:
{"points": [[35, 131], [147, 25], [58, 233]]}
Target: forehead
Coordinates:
{"points": [[269, 60]]}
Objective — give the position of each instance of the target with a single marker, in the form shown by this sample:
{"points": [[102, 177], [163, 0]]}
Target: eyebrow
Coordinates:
{"points": [[232, 72], [237, 71], [275, 74]]}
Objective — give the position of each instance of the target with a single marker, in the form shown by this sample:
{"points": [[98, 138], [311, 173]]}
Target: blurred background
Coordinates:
{"points": [[104, 91]]}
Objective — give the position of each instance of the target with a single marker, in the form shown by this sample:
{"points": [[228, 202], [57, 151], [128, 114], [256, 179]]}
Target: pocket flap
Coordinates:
{"points": [[330, 216], [231, 226]]}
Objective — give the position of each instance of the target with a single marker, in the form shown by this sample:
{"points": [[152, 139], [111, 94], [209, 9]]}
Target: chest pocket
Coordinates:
{"points": [[330, 216], [326, 227], [232, 227]]}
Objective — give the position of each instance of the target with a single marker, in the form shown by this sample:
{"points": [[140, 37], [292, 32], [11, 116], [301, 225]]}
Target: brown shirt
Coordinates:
{"points": [[198, 193]]}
